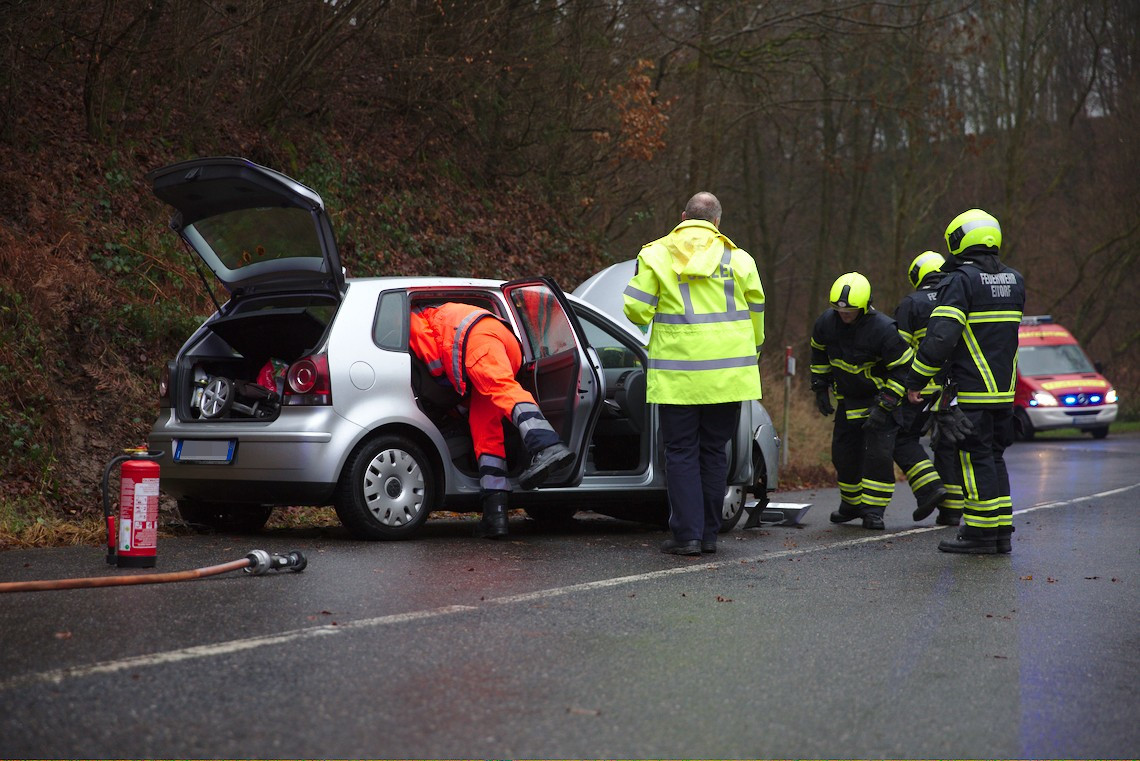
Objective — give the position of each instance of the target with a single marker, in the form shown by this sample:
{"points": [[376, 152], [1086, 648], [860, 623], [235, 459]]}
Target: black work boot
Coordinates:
{"points": [[873, 521], [846, 512], [493, 524], [1003, 536], [972, 540], [545, 462], [931, 499], [949, 516]]}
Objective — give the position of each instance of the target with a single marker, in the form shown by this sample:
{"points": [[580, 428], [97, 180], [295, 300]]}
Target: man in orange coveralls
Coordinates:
{"points": [[480, 356]]}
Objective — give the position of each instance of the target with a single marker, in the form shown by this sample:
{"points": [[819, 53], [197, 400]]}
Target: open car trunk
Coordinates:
{"points": [[236, 368]]}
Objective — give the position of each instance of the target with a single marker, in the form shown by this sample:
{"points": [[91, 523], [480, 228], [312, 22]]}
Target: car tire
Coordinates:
{"points": [[1099, 432], [1022, 428], [387, 489], [738, 494], [230, 517]]}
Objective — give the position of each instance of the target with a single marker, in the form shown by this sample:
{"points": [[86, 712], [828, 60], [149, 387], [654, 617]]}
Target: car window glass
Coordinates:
{"points": [[613, 352], [391, 328], [1052, 360], [256, 238], [546, 326]]}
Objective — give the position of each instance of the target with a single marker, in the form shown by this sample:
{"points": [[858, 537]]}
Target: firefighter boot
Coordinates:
{"points": [[931, 498], [493, 524], [846, 512], [1003, 536], [972, 540], [873, 520], [948, 516]]}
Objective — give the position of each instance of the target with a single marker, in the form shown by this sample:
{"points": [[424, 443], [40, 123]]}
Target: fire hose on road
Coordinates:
{"points": [[256, 563]]}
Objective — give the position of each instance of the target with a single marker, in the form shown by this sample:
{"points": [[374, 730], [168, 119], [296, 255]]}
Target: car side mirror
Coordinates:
{"points": [[1099, 366]]}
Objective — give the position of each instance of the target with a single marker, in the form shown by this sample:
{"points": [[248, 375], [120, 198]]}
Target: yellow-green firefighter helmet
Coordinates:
{"points": [[973, 228], [851, 291], [923, 265]]}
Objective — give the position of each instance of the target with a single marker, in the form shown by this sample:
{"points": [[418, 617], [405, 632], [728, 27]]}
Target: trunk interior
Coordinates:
{"points": [[236, 368]]}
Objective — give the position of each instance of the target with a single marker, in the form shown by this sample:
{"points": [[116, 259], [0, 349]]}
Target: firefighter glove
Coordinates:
{"points": [[953, 425], [879, 419], [888, 401], [823, 400]]}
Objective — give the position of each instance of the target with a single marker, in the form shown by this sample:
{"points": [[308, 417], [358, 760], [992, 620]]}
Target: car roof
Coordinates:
{"points": [[605, 291], [425, 282]]}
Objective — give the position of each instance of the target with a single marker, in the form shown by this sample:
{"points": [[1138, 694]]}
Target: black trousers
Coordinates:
{"points": [[950, 471], [863, 460], [911, 456], [696, 465], [980, 468]]}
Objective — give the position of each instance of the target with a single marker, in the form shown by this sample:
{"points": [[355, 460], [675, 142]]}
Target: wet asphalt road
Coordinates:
{"points": [[586, 642]]}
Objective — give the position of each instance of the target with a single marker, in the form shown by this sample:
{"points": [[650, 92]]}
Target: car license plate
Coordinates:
{"points": [[220, 451]]}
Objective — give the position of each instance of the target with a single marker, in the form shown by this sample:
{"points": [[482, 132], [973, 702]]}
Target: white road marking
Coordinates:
{"points": [[238, 645]]}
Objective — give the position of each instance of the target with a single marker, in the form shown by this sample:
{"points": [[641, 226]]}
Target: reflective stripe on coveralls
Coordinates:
{"points": [[492, 360], [483, 357]]}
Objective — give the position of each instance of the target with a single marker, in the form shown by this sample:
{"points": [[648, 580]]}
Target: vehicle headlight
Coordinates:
{"points": [[1110, 397], [1043, 399]]}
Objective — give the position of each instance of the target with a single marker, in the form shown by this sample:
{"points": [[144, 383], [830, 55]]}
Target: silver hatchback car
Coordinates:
{"points": [[301, 389]]}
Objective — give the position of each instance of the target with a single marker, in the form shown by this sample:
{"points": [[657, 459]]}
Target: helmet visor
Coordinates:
{"points": [[954, 239]]}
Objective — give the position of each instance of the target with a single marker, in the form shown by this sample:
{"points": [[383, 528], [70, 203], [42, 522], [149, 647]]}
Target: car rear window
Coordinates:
{"points": [[248, 237]]}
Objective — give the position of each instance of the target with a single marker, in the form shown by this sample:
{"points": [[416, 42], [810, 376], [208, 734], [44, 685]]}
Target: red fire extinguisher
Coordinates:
{"points": [[135, 542]]}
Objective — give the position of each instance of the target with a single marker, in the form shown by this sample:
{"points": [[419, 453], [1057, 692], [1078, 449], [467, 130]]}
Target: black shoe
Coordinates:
{"points": [[755, 516], [709, 548], [948, 517], [493, 524], [970, 543], [544, 462], [874, 522], [673, 547], [1004, 547], [926, 507], [840, 516], [493, 527]]}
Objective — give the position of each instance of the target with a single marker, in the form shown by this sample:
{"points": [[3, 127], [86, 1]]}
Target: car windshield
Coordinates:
{"points": [[1052, 360], [255, 238]]}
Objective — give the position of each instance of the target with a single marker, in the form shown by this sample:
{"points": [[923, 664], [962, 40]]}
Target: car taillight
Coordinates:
{"points": [[164, 385], [307, 382]]}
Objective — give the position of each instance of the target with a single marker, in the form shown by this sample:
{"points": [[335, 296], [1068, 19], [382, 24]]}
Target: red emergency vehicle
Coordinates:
{"points": [[1057, 385]]}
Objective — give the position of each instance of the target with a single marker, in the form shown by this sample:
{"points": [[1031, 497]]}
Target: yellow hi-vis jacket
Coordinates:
{"points": [[704, 298]]}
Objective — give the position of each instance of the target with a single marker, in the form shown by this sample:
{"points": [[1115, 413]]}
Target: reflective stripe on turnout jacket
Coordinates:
{"points": [[913, 315], [858, 359], [972, 332]]}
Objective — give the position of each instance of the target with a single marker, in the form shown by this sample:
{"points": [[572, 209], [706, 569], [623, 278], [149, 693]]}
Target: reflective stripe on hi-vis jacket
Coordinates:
{"points": [[706, 304]]}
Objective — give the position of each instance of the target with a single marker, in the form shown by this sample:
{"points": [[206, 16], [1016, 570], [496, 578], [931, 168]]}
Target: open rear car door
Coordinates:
{"points": [[557, 369]]}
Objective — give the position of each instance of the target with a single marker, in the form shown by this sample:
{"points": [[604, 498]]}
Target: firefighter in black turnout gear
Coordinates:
{"points": [[972, 334], [858, 352], [928, 480]]}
